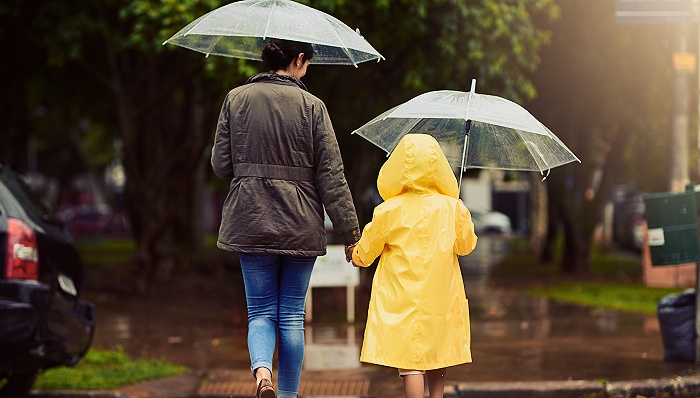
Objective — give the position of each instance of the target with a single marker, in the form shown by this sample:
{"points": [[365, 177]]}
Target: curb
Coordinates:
{"points": [[76, 394], [672, 387], [688, 386]]}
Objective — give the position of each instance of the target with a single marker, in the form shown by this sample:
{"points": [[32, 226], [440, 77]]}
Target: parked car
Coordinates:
{"points": [[43, 321], [94, 220], [490, 222]]}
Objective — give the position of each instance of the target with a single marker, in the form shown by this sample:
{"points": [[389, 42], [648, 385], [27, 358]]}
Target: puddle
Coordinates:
{"points": [[514, 337]]}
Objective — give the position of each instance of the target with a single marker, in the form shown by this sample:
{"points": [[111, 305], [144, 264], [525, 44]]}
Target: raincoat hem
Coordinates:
{"points": [[405, 365]]}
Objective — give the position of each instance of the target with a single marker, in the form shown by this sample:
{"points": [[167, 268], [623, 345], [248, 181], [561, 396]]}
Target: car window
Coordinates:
{"points": [[21, 189]]}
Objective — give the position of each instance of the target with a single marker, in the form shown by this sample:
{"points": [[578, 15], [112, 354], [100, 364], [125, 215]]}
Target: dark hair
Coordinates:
{"points": [[278, 53]]}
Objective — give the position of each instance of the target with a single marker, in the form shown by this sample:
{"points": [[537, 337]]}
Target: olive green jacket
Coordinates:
{"points": [[276, 143]]}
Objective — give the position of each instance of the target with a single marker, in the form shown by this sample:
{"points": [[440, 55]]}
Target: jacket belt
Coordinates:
{"points": [[273, 171]]}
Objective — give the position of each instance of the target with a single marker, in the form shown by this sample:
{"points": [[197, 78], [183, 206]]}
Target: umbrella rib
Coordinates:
{"points": [[201, 19], [340, 39], [531, 146], [269, 18], [213, 45]]}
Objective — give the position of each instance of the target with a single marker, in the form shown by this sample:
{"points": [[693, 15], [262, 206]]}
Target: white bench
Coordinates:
{"points": [[332, 270]]}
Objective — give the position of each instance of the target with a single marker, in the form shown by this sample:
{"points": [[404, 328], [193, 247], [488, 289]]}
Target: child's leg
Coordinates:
{"points": [[436, 382], [414, 385]]}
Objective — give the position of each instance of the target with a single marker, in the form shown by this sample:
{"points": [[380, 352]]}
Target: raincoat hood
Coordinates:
{"points": [[417, 164]]}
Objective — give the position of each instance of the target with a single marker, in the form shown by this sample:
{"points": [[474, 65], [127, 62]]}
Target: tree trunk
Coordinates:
{"points": [[576, 258], [163, 159], [549, 247], [539, 218]]}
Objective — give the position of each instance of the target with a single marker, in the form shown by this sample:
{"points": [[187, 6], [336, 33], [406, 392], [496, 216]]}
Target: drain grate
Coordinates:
{"points": [[218, 389], [243, 389], [337, 388]]}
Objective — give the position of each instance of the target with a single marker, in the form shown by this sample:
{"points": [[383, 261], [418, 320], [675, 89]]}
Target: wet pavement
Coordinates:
{"points": [[200, 323]]}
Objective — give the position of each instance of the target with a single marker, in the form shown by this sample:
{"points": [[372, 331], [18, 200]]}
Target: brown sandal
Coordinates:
{"points": [[265, 389]]}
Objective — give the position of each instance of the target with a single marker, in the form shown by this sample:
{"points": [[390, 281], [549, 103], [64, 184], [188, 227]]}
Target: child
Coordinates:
{"points": [[418, 320]]}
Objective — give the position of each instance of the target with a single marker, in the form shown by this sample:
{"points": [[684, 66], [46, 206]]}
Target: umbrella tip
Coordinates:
{"points": [[473, 85]]}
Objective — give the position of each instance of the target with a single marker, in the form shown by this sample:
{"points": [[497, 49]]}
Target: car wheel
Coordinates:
{"points": [[17, 384]]}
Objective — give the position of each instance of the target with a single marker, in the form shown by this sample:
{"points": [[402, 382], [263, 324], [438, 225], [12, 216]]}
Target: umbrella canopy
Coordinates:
{"points": [[241, 30], [474, 131]]}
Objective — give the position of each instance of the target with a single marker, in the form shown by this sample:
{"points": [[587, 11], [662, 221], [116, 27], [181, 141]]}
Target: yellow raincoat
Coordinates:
{"points": [[418, 312]]}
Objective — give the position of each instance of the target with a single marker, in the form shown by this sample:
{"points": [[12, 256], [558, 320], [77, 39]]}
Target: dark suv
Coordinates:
{"points": [[43, 323]]}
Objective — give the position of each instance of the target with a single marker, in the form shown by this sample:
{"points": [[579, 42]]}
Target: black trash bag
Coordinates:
{"points": [[676, 314]]}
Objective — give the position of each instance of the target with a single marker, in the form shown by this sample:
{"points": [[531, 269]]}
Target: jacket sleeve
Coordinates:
{"points": [[330, 178], [371, 245], [221, 161], [465, 241]]}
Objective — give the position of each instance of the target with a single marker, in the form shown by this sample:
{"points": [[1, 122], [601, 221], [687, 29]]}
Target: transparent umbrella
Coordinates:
{"points": [[474, 130], [241, 30]]}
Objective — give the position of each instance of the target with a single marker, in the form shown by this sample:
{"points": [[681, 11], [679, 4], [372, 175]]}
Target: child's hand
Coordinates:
{"points": [[355, 265]]}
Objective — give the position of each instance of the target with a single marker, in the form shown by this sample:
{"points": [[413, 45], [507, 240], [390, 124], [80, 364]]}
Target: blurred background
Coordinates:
{"points": [[115, 129]]}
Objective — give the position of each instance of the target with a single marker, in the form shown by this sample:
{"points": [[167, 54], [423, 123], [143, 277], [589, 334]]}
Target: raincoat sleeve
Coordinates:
{"points": [[465, 241], [330, 178], [221, 153], [371, 245]]}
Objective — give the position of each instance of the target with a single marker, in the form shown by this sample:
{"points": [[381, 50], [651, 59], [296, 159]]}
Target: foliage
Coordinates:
{"points": [[428, 45], [614, 296], [100, 75], [604, 91], [105, 370]]}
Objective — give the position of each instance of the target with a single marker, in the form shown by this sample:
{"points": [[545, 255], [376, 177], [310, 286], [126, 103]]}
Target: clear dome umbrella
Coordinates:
{"points": [[474, 130], [241, 30]]}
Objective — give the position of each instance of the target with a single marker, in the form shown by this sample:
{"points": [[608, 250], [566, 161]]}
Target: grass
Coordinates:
{"points": [[105, 251], [105, 370], [614, 296], [97, 252], [614, 282]]}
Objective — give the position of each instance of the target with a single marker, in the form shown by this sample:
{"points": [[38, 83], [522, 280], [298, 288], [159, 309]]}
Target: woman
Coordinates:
{"points": [[275, 141]]}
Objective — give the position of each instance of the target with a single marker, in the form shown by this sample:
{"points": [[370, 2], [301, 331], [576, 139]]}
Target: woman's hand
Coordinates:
{"points": [[348, 252]]}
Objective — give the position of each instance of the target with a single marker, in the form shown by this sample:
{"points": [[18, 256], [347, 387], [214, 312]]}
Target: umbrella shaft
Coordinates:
{"points": [[464, 153]]}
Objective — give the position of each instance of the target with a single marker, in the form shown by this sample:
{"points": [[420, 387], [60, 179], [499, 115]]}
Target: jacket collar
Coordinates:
{"points": [[275, 78]]}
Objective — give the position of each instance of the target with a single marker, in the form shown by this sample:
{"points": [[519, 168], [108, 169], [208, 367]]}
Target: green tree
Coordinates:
{"points": [[428, 45], [161, 103], [605, 91]]}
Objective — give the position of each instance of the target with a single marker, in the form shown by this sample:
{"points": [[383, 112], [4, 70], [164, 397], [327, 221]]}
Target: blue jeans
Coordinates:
{"points": [[275, 288]]}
